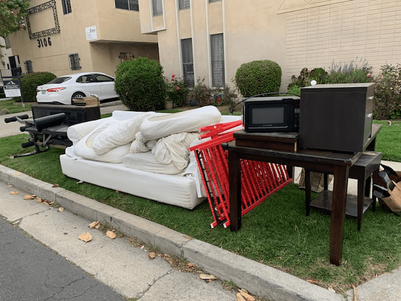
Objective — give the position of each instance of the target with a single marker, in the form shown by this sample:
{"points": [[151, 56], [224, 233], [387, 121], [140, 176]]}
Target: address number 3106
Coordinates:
{"points": [[44, 42]]}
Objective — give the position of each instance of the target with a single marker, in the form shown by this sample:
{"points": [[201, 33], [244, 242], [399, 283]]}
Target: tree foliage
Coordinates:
{"points": [[12, 14]]}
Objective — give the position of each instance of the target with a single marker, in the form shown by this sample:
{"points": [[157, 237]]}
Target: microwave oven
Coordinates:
{"points": [[271, 114]]}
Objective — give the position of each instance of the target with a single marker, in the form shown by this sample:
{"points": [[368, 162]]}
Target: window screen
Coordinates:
{"points": [[217, 56], [157, 7], [75, 61], [184, 4], [127, 4], [188, 61], [66, 6], [28, 66]]}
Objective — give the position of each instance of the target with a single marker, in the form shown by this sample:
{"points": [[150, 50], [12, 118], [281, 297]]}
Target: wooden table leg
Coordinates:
{"points": [[338, 212], [234, 175]]}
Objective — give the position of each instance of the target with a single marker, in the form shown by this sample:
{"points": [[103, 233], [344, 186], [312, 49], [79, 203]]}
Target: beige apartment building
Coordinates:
{"points": [[69, 36], [211, 38]]}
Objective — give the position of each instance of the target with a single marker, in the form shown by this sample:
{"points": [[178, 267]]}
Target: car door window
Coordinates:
{"points": [[103, 78]]}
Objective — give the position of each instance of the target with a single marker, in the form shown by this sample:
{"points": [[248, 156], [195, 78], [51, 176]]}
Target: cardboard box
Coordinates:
{"points": [[87, 101]]}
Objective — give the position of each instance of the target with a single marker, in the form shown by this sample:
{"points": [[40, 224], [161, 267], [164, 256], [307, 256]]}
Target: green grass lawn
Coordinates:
{"points": [[276, 233], [13, 107]]}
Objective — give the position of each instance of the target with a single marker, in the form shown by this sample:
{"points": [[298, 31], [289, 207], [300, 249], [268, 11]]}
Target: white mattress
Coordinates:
{"points": [[175, 190]]}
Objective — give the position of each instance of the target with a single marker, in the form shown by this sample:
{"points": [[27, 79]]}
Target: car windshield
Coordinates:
{"points": [[59, 80]]}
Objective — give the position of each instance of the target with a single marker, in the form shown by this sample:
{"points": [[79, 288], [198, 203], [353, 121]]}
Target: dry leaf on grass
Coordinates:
{"points": [[56, 185], [111, 234], [151, 255], [207, 277], [313, 281], [29, 197], [14, 192], [86, 237], [94, 225], [246, 295]]}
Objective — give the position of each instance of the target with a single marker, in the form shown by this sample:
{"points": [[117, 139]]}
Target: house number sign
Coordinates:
{"points": [[44, 42]]}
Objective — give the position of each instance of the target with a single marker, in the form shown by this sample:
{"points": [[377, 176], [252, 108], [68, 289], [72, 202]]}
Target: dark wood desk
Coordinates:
{"points": [[327, 162]]}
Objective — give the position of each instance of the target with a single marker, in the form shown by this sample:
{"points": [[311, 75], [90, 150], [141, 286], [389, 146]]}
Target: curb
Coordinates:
{"points": [[257, 278]]}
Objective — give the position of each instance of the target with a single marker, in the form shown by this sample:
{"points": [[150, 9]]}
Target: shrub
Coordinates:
{"points": [[141, 85], [201, 93], [177, 90], [388, 92], [225, 96], [305, 77], [258, 77], [29, 83], [352, 72]]}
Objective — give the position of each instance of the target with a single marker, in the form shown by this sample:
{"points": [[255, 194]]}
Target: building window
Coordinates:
{"points": [[184, 4], [28, 66], [7, 41], [157, 7], [126, 56], [217, 56], [214, 0], [66, 6], [75, 61], [188, 61], [127, 4]]}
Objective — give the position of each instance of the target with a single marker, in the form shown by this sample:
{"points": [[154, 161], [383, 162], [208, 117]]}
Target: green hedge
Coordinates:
{"points": [[29, 83], [141, 85], [258, 77]]}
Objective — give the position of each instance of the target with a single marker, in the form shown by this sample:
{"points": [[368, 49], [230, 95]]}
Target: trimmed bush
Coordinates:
{"points": [[29, 83], [141, 85], [258, 77]]}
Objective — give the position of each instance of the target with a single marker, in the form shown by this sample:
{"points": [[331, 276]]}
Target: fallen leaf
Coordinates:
{"points": [[86, 237], [14, 192], [61, 209], [111, 234], [168, 259], [331, 289], [38, 200], [48, 202], [313, 281], [29, 197], [56, 185], [207, 277], [190, 265], [246, 295], [94, 225], [355, 298], [240, 297], [151, 255]]}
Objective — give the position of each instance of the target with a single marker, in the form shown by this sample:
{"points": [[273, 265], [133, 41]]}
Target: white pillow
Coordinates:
{"points": [[119, 133], [85, 150], [158, 126]]}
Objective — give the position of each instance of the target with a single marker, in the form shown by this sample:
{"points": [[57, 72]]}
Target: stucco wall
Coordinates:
{"points": [[116, 30]]}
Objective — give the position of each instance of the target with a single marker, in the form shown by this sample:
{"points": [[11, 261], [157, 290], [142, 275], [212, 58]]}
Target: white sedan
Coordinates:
{"points": [[64, 89]]}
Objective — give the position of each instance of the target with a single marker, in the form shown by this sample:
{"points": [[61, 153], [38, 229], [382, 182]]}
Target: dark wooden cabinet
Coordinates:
{"points": [[336, 117]]}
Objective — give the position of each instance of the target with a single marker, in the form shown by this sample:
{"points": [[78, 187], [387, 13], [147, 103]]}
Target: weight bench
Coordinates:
{"points": [[43, 132], [364, 170], [50, 124]]}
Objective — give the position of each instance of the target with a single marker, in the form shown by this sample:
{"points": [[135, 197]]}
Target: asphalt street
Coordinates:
{"points": [[31, 271]]}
